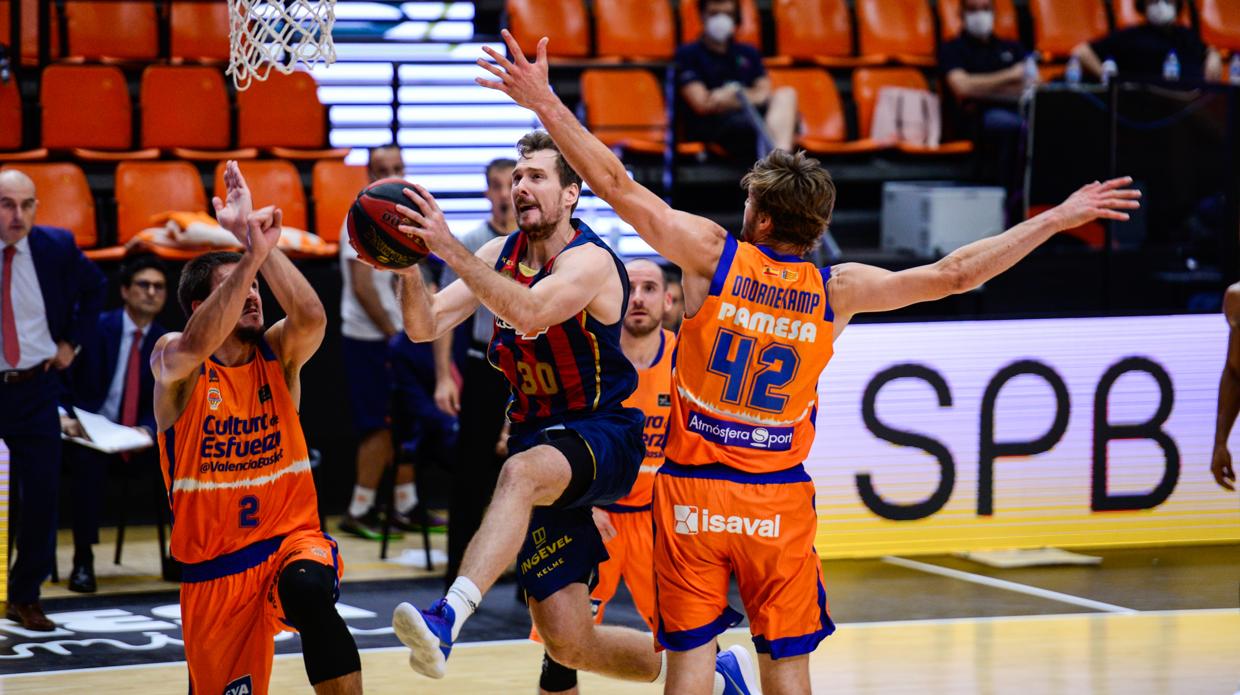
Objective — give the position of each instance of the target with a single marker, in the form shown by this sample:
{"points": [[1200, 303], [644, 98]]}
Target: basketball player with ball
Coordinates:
{"points": [[732, 497], [559, 295]]}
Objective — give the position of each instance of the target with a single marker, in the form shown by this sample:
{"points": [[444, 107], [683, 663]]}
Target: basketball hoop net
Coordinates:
{"points": [[279, 34]]}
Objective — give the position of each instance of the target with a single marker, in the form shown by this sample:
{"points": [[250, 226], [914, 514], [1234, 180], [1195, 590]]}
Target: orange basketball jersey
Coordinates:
{"points": [[236, 463], [654, 398], [747, 363]]}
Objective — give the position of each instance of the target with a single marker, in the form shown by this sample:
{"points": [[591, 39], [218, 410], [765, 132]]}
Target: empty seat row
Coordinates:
{"points": [[146, 189], [125, 30], [625, 108], [821, 31], [87, 111]]}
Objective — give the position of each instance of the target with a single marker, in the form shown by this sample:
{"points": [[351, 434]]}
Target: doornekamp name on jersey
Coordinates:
{"points": [[783, 298]]}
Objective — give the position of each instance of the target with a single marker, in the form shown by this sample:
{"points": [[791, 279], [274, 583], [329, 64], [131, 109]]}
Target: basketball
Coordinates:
{"points": [[374, 226]]}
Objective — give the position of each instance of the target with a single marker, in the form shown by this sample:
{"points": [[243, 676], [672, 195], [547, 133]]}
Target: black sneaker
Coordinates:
{"points": [[436, 520], [369, 526]]}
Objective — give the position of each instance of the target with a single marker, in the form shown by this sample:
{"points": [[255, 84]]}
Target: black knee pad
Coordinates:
{"points": [[556, 677], [308, 594]]}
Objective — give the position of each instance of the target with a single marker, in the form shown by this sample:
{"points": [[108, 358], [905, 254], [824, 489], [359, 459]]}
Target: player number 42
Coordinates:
{"points": [[774, 367]]}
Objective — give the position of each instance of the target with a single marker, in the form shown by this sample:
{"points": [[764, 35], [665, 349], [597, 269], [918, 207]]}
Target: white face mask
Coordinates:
{"points": [[1160, 13], [979, 23], [719, 27]]}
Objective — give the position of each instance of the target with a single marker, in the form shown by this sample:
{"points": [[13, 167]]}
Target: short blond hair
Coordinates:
{"points": [[797, 192]]}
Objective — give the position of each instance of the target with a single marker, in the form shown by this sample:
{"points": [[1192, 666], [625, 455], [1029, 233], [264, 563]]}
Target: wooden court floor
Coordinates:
{"points": [[1190, 651]]}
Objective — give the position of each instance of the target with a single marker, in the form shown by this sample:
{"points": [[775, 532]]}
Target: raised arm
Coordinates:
{"points": [[855, 288], [565, 293], [1228, 394], [691, 242]]}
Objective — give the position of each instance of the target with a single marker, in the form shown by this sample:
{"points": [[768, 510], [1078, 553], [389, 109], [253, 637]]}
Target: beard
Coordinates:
{"points": [[639, 328], [250, 335], [542, 229]]}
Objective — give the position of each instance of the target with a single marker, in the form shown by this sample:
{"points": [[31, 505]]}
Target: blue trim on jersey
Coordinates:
{"points": [[662, 344], [249, 557], [265, 349], [777, 256], [170, 449], [828, 313], [725, 265], [626, 508], [719, 471]]}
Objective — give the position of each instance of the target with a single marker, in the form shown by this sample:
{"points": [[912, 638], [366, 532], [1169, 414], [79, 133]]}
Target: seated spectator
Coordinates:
{"points": [[1141, 51], [112, 377], [717, 76]]}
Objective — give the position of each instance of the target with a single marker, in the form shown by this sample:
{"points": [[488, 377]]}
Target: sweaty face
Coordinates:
{"points": [[540, 200], [146, 293], [250, 326], [648, 298], [386, 164]]}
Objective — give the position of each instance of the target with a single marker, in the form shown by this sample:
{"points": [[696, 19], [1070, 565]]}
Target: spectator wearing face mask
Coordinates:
{"points": [[1141, 51], [715, 77]]}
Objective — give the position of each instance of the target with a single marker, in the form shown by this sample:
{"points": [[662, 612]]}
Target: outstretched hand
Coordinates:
{"points": [[263, 230], [233, 212], [1106, 201], [525, 82]]}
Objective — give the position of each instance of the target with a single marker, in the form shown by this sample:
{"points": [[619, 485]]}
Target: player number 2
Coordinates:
{"points": [[539, 379], [249, 512], [732, 358]]}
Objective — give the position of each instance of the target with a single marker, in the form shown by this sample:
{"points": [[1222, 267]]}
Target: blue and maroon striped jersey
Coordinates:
{"points": [[566, 370]]}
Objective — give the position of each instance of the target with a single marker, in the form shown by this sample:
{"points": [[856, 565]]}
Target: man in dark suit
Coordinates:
{"points": [[112, 377], [49, 303]]}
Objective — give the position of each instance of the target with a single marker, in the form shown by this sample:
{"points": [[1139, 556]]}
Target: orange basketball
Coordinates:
{"points": [[374, 226]]}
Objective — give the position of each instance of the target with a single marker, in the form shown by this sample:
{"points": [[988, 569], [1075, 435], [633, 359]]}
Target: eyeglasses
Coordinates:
{"points": [[149, 286]]}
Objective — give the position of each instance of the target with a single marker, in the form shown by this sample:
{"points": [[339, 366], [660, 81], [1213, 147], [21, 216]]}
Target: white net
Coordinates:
{"points": [[271, 35]]}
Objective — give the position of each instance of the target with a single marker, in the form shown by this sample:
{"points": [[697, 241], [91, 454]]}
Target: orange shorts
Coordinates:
{"points": [[713, 522], [230, 611], [632, 558]]}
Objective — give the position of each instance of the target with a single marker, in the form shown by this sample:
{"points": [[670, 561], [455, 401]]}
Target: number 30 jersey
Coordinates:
{"points": [[745, 376], [564, 371]]}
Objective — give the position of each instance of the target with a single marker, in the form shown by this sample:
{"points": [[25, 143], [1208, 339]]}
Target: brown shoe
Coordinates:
{"points": [[29, 616]]}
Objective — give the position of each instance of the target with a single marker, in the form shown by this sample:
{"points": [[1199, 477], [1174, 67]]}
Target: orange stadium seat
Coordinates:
{"points": [[1006, 26], [867, 82], [64, 199], [822, 113], [86, 110], [564, 22], [272, 182], [186, 109], [199, 31], [146, 189], [750, 30], [112, 30], [817, 31], [11, 121], [335, 186], [283, 115], [1127, 15], [896, 30], [625, 109], [30, 29], [1220, 23], [635, 29], [1059, 25]]}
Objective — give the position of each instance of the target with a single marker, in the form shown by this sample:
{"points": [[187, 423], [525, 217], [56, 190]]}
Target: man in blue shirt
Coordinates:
{"points": [[716, 76], [1142, 50]]}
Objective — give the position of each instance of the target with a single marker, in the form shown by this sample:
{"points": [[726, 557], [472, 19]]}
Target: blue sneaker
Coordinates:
{"points": [[428, 634], [736, 668]]}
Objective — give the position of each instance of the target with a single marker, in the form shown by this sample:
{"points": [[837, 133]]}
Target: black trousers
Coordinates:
{"points": [[484, 397], [30, 428], [88, 472]]}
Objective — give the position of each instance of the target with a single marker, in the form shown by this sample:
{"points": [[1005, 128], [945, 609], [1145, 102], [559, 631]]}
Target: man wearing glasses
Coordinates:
{"points": [[112, 377]]}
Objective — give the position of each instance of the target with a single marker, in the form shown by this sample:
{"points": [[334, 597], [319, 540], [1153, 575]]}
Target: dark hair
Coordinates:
{"points": [[137, 264], [1143, 7], [370, 154], [798, 194], [736, 10], [499, 163], [671, 273], [539, 140], [964, 7], [195, 285]]}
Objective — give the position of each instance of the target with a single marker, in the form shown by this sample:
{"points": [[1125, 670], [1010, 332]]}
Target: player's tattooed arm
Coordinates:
{"points": [[1228, 394], [694, 243], [855, 288]]}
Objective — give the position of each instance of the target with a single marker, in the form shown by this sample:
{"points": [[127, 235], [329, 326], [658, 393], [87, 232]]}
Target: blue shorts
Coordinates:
{"points": [[370, 383], [420, 427], [563, 546]]}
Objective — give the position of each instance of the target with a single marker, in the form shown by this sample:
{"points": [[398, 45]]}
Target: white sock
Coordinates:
{"points": [[662, 677], [464, 597], [406, 498], [719, 684], [363, 500]]}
